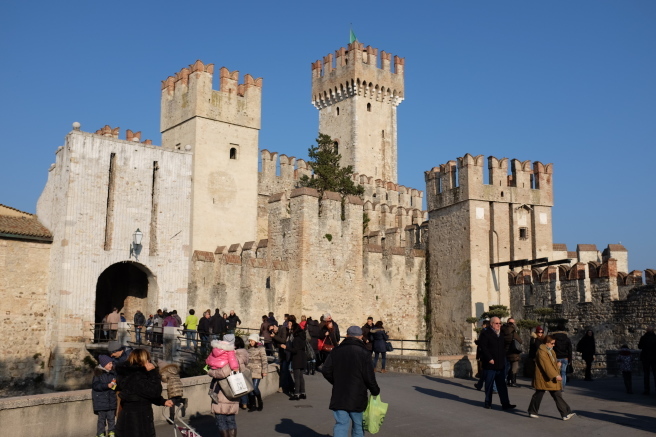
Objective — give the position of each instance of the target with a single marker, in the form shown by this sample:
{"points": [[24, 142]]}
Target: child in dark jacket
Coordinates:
{"points": [[625, 359], [103, 395]]}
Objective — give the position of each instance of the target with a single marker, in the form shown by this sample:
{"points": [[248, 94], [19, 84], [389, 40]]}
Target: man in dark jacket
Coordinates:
{"points": [[493, 356], [647, 346], [233, 322], [509, 332], [218, 325], [563, 349], [348, 368], [204, 328], [139, 322], [365, 334]]}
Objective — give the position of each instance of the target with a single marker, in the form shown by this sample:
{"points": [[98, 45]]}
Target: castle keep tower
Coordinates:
{"points": [[221, 128], [473, 225], [357, 103]]}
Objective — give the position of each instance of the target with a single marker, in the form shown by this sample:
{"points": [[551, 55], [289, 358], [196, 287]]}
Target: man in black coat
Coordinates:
{"points": [[493, 357], [563, 350], [218, 325], [647, 346], [139, 322], [349, 369]]}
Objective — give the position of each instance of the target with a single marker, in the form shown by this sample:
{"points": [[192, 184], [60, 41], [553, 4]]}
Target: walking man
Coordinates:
{"points": [[563, 350], [493, 356], [348, 368], [139, 322], [647, 346]]}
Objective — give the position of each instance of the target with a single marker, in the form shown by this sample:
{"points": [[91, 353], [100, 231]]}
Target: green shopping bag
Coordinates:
{"points": [[374, 414]]}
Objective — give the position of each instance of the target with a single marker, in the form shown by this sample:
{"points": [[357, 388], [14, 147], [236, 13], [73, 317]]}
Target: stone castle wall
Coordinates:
{"points": [[615, 305], [24, 276], [314, 263]]}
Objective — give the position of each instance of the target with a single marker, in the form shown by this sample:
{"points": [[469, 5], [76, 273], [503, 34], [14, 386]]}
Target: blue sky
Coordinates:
{"points": [[571, 83]]}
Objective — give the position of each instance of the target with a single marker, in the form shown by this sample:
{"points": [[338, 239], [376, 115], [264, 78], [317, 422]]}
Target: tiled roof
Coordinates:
{"points": [[560, 247], [586, 247], [617, 248], [23, 226]]}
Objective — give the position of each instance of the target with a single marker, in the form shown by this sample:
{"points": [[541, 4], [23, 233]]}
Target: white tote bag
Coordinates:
{"points": [[238, 384]]}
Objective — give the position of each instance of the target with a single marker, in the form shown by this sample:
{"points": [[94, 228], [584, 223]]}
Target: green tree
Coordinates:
{"points": [[499, 311], [328, 174]]}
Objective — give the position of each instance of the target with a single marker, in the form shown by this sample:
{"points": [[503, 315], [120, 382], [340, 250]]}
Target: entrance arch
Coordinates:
{"points": [[128, 286]]}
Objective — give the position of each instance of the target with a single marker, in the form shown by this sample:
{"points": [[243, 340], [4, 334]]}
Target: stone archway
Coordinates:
{"points": [[128, 286]]}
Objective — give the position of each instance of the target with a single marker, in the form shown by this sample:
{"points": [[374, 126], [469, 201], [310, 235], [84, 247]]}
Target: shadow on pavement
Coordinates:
{"points": [[293, 429], [643, 423], [461, 382]]}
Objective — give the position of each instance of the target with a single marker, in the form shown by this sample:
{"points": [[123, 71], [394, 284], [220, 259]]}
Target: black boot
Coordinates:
{"points": [[312, 368], [260, 404], [251, 403], [514, 379]]}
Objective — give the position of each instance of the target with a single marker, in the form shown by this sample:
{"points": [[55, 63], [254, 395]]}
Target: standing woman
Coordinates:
{"points": [[140, 386], [296, 347], [587, 348], [258, 365], [536, 341], [547, 378], [330, 339], [225, 410], [379, 338]]}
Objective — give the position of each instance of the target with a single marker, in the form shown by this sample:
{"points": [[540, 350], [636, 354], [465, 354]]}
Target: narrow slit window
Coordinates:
{"points": [[338, 110], [233, 153], [368, 107]]}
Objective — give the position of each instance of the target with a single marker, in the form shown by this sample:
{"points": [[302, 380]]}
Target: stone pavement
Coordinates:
{"points": [[428, 406]]}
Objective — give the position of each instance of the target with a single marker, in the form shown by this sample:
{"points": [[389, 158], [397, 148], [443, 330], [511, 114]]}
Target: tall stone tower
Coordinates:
{"points": [[472, 225], [357, 103], [221, 128]]}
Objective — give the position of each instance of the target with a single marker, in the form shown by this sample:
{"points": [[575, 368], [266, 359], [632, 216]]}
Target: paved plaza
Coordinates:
{"points": [[428, 406]]}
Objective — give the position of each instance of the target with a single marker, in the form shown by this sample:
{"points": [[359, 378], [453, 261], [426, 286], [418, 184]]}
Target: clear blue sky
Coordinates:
{"points": [[567, 82]]}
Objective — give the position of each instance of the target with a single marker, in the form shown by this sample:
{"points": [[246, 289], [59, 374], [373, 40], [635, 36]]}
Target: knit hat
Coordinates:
{"points": [[229, 338], [539, 328], [103, 360], [354, 331], [254, 337]]}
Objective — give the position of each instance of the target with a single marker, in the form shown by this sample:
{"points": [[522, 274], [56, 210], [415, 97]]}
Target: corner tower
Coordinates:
{"points": [[221, 128], [473, 226], [357, 101]]}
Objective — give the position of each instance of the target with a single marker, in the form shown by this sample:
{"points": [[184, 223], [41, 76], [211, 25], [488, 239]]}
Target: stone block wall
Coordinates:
{"points": [[24, 275]]}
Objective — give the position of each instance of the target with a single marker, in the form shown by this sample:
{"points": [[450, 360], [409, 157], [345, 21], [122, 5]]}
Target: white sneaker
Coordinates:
{"points": [[569, 416], [534, 416]]}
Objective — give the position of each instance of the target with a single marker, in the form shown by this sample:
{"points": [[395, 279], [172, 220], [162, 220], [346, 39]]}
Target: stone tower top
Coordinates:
{"points": [[461, 180], [189, 94], [354, 71]]}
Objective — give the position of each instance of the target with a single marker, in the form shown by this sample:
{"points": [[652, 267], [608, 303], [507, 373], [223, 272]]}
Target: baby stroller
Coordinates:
{"points": [[183, 429]]}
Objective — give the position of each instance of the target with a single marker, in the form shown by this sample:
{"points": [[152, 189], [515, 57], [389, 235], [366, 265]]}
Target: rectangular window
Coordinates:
{"points": [[523, 233]]}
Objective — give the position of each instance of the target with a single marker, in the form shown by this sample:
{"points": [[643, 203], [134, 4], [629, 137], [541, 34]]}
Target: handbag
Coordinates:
{"points": [[237, 384], [389, 347], [325, 347], [515, 347], [309, 352]]}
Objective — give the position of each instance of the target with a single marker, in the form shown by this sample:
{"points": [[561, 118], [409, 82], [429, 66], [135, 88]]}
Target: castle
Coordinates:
{"points": [[218, 233]]}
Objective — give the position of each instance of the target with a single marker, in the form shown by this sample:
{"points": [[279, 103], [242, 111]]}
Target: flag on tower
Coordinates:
{"points": [[352, 37]]}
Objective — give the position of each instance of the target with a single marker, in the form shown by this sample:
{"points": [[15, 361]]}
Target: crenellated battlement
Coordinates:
{"points": [[107, 131], [463, 179], [355, 71], [189, 94]]}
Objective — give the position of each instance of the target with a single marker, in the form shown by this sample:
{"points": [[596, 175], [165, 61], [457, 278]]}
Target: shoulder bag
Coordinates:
{"points": [[327, 345], [237, 384]]}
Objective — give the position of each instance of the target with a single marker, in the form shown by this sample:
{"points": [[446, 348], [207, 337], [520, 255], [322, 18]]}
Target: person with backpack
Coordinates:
{"points": [[511, 343]]}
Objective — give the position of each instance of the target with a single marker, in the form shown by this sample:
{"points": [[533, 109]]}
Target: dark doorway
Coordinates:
{"points": [[124, 286]]}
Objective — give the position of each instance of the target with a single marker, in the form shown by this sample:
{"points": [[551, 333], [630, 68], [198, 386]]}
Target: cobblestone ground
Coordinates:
{"points": [[428, 406]]}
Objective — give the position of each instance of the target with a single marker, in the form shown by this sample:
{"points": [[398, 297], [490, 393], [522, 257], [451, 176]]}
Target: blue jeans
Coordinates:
{"points": [[137, 335], [256, 386], [225, 422], [343, 419], [498, 378], [563, 370], [191, 337]]}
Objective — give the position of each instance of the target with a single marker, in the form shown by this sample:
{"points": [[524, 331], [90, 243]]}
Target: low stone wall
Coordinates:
{"points": [[71, 413], [446, 366]]}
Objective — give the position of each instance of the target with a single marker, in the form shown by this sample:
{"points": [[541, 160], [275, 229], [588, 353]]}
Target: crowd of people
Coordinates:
{"points": [[303, 347]]}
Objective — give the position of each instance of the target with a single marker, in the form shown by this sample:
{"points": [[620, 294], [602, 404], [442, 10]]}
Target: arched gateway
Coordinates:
{"points": [[128, 286]]}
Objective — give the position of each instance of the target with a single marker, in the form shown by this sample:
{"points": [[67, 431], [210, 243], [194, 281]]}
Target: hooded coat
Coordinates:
{"points": [[103, 397], [139, 389], [171, 377], [257, 361], [546, 370]]}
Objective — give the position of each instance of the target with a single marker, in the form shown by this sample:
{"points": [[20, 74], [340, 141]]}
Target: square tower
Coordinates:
{"points": [[473, 224], [221, 129], [357, 102]]}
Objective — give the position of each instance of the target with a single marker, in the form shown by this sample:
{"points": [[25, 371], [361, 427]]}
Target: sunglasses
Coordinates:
{"points": [[539, 332]]}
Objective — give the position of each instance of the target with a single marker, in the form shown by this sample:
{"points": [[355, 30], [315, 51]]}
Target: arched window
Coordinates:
{"points": [[336, 147], [233, 153], [368, 107], [338, 110]]}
